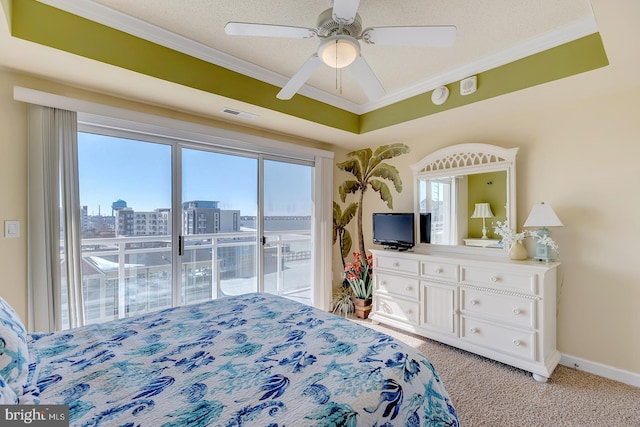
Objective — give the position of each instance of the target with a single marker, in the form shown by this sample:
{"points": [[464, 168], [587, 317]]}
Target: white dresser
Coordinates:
{"points": [[504, 310]]}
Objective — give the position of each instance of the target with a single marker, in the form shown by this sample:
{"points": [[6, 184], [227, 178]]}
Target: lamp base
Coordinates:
{"points": [[484, 229], [543, 252]]}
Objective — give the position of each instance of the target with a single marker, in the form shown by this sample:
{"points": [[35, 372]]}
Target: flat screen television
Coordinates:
{"points": [[394, 230]]}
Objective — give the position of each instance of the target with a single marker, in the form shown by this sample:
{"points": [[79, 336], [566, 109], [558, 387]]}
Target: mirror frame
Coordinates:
{"points": [[466, 159]]}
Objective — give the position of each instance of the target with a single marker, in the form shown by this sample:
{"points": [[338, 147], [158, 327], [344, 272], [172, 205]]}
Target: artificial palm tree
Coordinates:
{"points": [[367, 166], [340, 233]]}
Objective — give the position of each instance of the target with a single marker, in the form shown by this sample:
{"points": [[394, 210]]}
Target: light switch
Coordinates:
{"points": [[11, 229]]}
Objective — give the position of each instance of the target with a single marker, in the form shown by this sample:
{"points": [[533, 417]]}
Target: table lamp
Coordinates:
{"points": [[483, 210], [542, 216]]}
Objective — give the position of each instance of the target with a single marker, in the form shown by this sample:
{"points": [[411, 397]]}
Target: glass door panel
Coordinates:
{"points": [[125, 198], [219, 237], [288, 208]]}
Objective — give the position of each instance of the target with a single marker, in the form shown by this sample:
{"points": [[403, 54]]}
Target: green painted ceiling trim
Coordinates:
{"points": [[578, 56], [46, 25]]}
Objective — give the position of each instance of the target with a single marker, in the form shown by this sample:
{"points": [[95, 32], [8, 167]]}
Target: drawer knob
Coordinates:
{"points": [[396, 264], [409, 288], [438, 271], [494, 279], [517, 342], [474, 302], [516, 311], [383, 283], [474, 330]]}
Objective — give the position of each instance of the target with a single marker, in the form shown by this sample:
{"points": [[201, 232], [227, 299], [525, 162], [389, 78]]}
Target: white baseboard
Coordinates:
{"points": [[601, 370]]}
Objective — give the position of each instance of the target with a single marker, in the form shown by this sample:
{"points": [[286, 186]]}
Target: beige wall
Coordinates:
{"points": [[13, 197], [582, 158]]}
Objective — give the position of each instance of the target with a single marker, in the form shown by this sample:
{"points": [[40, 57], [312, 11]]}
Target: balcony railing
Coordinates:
{"points": [[125, 276]]}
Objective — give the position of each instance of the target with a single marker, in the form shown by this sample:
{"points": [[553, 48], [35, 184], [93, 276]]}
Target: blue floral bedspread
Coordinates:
{"points": [[249, 360]]}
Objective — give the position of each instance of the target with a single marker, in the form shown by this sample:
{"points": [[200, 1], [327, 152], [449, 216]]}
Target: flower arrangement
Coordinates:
{"points": [[510, 237], [544, 239], [359, 275]]}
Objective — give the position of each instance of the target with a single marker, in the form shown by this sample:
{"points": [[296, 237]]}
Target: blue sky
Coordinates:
{"points": [[140, 174]]}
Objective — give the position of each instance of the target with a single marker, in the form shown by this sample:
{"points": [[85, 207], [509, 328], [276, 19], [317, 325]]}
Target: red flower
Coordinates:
{"points": [[359, 274]]}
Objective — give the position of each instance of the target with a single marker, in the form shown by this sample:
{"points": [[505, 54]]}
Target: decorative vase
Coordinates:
{"points": [[518, 251], [362, 307]]}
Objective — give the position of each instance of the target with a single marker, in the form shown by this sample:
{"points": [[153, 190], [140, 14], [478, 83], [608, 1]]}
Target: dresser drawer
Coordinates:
{"points": [[500, 338], [401, 265], [513, 310], [439, 270], [398, 285], [406, 311], [523, 282]]}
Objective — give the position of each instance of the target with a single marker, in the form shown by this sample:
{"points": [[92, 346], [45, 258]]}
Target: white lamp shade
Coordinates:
{"points": [[339, 51], [542, 216], [482, 210]]}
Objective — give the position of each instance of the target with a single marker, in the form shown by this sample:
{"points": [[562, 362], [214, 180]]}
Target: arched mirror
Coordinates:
{"points": [[461, 192]]}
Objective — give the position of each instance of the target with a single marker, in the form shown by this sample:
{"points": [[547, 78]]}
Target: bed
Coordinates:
{"points": [[248, 360]]}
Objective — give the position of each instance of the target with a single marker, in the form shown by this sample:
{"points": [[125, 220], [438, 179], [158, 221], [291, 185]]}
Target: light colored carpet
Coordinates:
{"points": [[489, 393]]}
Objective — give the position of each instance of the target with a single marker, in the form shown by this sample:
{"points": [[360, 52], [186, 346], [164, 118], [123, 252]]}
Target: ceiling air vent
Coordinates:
{"points": [[237, 113]]}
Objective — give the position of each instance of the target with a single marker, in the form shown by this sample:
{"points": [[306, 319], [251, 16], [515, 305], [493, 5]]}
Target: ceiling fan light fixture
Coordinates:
{"points": [[339, 51]]}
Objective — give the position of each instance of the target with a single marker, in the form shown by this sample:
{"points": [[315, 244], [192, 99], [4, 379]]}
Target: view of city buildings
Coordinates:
{"points": [[199, 217]]}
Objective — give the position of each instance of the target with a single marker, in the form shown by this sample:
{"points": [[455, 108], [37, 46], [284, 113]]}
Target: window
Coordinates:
{"points": [[439, 199], [149, 240]]}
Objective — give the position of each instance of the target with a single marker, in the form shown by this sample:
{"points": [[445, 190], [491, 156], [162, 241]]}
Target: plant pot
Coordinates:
{"points": [[362, 307], [518, 251]]}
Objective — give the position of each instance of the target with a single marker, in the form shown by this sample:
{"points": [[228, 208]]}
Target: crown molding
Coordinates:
{"points": [[112, 18]]}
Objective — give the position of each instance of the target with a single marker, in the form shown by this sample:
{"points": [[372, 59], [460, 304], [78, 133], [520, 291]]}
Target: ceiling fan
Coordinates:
{"points": [[339, 29]]}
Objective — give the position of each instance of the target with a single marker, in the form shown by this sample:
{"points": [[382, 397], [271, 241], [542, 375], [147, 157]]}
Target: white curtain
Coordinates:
{"points": [[54, 221]]}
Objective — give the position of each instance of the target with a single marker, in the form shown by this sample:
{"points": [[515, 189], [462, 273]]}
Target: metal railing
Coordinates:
{"points": [[125, 276]]}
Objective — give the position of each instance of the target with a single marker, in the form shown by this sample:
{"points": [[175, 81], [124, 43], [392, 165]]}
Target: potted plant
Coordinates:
{"points": [[342, 302], [359, 275]]}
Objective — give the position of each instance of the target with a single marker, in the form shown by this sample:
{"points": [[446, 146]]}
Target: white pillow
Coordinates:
{"points": [[14, 353]]}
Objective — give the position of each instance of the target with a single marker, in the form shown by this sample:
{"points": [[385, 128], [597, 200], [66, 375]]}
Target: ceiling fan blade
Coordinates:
{"points": [[267, 30], [344, 11], [367, 79], [437, 36], [299, 78]]}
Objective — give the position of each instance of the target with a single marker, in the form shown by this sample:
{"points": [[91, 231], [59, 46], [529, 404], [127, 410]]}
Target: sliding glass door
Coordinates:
{"points": [[288, 212], [126, 236], [165, 223], [218, 236]]}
